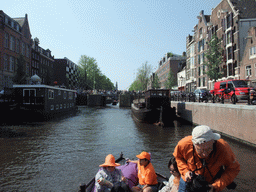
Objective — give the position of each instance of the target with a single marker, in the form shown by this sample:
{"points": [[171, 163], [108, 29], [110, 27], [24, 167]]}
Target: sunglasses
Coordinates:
{"points": [[173, 171]]}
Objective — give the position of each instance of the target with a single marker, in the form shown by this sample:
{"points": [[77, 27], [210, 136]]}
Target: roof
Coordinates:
{"points": [[20, 20], [246, 8]]}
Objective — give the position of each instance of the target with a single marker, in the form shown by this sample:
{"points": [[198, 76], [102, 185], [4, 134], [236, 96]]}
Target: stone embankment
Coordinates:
{"points": [[236, 121]]}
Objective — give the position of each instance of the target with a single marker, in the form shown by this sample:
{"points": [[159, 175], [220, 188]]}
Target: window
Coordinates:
{"points": [[6, 40], [11, 63], [70, 95], [229, 53], [6, 62], [23, 49], [229, 37], [17, 45], [248, 70], [201, 45], [228, 21], [252, 52], [51, 94], [27, 51], [65, 94], [223, 85], [200, 33], [12, 43]]}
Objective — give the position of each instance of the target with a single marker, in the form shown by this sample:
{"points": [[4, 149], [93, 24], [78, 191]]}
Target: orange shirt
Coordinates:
{"points": [[147, 175], [188, 160]]}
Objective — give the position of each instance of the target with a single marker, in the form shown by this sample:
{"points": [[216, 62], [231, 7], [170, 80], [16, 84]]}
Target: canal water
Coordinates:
{"points": [[60, 154]]}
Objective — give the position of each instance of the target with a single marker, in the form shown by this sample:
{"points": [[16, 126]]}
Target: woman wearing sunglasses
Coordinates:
{"points": [[173, 183]]}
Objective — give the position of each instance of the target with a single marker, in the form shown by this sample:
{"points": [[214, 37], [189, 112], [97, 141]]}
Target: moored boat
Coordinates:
{"points": [[155, 107], [32, 102]]}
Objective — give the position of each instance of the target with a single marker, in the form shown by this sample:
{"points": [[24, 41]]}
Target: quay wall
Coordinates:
{"points": [[235, 121]]}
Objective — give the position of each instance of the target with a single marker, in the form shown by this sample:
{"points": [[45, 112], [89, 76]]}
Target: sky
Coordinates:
{"points": [[120, 34]]}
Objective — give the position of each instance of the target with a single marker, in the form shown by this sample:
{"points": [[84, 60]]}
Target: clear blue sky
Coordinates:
{"points": [[120, 34]]}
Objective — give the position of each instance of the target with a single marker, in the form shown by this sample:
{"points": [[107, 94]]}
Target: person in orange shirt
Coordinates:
{"points": [[205, 153], [146, 174]]}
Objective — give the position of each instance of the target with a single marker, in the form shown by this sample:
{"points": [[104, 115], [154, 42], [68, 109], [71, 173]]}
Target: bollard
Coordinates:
{"points": [[222, 97], [213, 98], [249, 99], [234, 102], [199, 97]]}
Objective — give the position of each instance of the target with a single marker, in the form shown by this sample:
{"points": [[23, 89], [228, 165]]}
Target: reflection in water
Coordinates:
{"points": [[60, 154]]}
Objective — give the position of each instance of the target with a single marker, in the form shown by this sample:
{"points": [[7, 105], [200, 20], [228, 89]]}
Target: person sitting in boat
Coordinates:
{"points": [[146, 174], [174, 180], [109, 178]]}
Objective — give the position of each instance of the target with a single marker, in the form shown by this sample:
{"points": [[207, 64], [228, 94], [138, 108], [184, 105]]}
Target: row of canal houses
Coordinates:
{"points": [[234, 22], [49, 83], [16, 40]]}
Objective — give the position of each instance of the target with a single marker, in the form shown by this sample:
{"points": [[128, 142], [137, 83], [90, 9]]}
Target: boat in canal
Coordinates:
{"points": [[39, 101], [129, 171], [154, 107]]}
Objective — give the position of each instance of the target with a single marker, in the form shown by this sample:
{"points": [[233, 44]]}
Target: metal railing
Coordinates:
{"points": [[222, 97]]}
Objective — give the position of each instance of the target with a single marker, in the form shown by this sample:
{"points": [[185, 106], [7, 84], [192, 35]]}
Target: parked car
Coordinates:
{"points": [[202, 95], [231, 89]]}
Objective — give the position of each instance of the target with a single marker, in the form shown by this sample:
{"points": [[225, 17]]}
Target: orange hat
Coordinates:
{"points": [[109, 161], [144, 155]]}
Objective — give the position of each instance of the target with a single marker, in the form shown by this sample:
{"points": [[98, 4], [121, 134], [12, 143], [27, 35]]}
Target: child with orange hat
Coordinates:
{"points": [[146, 174], [109, 178]]}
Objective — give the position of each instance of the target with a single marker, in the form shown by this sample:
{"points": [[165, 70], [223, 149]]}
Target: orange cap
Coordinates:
{"points": [[109, 161], [144, 155]]}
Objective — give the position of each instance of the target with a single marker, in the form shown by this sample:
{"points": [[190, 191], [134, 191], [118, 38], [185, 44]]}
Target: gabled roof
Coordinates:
{"points": [[20, 20], [247, 8]]}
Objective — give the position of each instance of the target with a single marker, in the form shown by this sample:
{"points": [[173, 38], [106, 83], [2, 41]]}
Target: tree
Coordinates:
{"points": [[142, 78], [20, 75], [144, 74], [91, 76], [155, 82], [170, 83], [214, 59]]}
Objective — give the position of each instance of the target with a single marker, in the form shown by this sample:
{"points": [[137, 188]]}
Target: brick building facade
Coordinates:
{"points": [[248, 69], [42, 63], [15, 40], [230, 21], [166, 64]]}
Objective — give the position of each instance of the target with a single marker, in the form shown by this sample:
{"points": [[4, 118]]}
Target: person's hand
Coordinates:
{"points": [[188, 176], [108, 183], [100, 181], [123, 179], [212, 189]]}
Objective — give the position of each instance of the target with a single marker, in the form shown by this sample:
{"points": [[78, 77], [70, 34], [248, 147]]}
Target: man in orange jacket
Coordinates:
{"points": [[204, 153]]}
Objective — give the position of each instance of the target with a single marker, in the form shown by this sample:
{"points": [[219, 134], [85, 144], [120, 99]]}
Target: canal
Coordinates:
{"points": [[60, 154]]}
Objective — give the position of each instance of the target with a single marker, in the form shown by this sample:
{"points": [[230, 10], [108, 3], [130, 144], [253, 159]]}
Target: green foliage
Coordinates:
{"points": [[20, 75], [170, 83], [142, 78], [170, 54], [214, 59], [91, 76], [156, 82]]}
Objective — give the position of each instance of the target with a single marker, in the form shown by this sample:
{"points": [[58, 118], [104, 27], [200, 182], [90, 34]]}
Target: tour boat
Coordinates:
{"points": [[129, 171], [154, 107]]}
